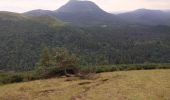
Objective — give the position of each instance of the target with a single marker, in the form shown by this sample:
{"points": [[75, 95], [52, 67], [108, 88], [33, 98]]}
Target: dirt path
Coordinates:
{"points": [[83, 93]]}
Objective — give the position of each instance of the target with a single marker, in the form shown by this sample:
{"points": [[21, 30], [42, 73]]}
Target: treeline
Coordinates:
{"points": [[57, 62]]}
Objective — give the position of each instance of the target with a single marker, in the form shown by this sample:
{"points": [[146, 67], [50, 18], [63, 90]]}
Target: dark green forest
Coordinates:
{"points": [[22, 39]]}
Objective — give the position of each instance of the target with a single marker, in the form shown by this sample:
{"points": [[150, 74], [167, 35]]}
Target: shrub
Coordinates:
{"points": [[126, 67], [12, 78], [57, 62]]}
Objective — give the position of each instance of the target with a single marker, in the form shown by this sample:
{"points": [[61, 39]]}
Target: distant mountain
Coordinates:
{"points": [[81, 13], [76, 6], [85, 13], [147, 17]]}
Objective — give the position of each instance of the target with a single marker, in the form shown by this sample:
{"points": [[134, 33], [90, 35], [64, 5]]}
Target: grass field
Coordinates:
{"points": [[123, 85]]}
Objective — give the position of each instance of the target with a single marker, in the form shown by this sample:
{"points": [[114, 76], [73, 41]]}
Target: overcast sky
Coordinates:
{"points": [[107, 5]]}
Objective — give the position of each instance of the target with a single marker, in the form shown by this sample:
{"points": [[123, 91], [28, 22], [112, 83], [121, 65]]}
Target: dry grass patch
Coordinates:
{"points": [[130, 85]]}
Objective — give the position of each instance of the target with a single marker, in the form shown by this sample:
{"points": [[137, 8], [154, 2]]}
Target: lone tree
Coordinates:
{"points": [[60, 60]]}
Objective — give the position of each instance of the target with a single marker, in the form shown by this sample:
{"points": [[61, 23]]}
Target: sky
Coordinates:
{"points": [[107, 5]]}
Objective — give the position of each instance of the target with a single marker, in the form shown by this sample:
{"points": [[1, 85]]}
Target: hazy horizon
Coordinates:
{"points": [[107, 5]]}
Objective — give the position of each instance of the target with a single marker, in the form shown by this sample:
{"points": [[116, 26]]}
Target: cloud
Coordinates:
{"points": [[25, 5], [107, 5]]}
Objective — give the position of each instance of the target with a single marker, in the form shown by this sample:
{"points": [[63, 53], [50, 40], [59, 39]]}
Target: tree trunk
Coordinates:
{"points": [[65, 71]]}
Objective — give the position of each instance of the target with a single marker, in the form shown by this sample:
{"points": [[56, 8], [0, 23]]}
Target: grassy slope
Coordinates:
{"points": [[130, 85]]}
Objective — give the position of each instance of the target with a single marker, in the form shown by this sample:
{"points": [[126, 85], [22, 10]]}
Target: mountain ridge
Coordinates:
{"points": [[147, 17], [80, 13], [87, 13]]}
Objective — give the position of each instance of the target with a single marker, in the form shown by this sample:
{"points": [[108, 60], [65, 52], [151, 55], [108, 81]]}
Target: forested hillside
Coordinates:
{"points": [[22, 39]]}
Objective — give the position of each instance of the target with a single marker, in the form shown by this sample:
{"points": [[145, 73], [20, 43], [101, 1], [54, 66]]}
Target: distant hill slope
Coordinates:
{"points": [[40, 12], [147, 17], [17, 34], [129, 85], [5, 17]]}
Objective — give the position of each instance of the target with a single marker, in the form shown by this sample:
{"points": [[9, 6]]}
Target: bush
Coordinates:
{"points": [[14, 77], [126, 67]]}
